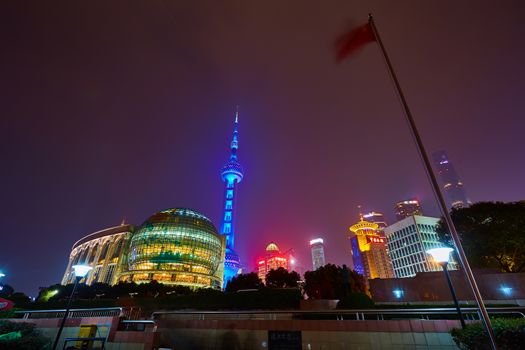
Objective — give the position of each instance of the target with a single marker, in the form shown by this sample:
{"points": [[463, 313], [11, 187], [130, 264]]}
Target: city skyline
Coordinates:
{"points": [[104, 127]]}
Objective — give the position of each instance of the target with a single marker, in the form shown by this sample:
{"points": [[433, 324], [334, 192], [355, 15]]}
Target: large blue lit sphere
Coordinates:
{"points": [[232, 265], [232, 171]]}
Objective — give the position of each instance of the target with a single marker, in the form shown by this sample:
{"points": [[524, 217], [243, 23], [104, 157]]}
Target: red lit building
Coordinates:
{"points": [[272, 260]]}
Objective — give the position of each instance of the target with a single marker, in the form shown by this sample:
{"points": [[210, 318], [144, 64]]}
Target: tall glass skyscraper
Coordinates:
{"points": [[404, 209], [232, 173], [450, 182], [317, 249]]}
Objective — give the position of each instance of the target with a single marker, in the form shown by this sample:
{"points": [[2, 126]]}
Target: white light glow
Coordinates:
{"points": [[315, 241], [506, 290], [440, 255], [398, 293], [2, 275], [81, 270]]}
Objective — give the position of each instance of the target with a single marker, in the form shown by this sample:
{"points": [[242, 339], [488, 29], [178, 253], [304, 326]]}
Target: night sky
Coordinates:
{"points": [[116, 110]]}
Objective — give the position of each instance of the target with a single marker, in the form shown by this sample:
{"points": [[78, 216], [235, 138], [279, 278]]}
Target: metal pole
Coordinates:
{"points": [[462, 257], [65, 314], [453, 292]]}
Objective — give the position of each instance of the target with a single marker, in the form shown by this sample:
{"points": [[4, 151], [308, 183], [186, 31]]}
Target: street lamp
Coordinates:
{"points": [[1, 275], [442, 256], [80, 272]]}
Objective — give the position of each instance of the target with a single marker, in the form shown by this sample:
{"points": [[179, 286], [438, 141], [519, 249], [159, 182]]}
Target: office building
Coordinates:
{"points": [[369, 251], [317, 250], [376, 218], [271, 260], [408, 240], [404, 209], [449, 181]]}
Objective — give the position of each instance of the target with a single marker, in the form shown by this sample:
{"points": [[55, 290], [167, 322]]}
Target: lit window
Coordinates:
{"points": [[229, 204], [229, 194]]}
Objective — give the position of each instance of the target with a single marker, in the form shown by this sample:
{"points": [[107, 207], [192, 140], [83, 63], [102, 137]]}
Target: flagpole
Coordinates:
{"points": [[462, 257]]}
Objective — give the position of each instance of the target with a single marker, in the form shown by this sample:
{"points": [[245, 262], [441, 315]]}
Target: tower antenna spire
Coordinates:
{"points": [[232, 174]]}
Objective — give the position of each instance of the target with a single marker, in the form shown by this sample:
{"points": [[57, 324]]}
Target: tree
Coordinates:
{"points": [[492, 234], [333, 282], [281, 278], [24, 336], [244, 281]]}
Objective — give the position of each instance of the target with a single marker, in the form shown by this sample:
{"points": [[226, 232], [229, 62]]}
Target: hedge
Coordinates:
{"points": [[509, 333]]}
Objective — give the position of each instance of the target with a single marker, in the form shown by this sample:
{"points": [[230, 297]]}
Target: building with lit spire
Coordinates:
{"points": [[450, 182], [232, 174], [407, 208], [369, 251]]}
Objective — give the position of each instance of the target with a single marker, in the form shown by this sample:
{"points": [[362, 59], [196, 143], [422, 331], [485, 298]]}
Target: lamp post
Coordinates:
{"points": [[80, 272], [1, 275], [442, 256]]}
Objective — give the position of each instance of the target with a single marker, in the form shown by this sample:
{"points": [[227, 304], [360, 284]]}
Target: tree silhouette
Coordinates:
{"points": [[492, 234], [281, 278], [244, 281], [333, 282]]}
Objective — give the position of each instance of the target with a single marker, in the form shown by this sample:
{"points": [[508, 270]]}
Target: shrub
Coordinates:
{"points": [[355, 301], [509, 333], [30, 339]]}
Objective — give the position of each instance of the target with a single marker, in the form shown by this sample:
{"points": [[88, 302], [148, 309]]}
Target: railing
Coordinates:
{"points": [[136, 325], [469, 313], [59, 313], [87, 343]]}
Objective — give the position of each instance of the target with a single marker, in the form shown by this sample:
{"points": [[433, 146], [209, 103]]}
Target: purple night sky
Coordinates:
{"points": [[118, 110]]}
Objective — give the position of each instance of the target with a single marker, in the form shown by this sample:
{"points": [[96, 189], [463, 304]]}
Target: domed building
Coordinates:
{"points": [[272, 260], [176, 246], [102, 251]]}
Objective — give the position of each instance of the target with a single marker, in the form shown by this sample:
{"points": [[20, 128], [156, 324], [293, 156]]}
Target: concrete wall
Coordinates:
{"points": [[315, 334], [107, 327], [495, 287]]}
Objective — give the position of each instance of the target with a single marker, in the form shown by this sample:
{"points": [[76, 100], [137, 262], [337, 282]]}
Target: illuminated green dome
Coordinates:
{"points": [[176, 246]]}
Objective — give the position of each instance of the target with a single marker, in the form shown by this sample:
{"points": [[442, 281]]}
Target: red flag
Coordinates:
{"points": [[354, 40], [6, 304]]}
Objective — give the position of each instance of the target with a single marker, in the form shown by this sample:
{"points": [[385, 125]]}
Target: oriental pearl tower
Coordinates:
{"points": [[231, 174]]}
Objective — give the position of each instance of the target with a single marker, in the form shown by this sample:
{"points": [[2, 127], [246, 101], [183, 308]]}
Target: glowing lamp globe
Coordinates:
{"points": [[440, 255], [81, 270]]}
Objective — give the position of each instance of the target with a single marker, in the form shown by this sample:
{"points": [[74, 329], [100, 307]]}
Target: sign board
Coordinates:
{"points": [[284, 340]]}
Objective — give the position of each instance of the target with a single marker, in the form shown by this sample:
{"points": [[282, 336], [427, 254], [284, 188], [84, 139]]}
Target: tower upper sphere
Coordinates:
{"points": [[233, 171]]}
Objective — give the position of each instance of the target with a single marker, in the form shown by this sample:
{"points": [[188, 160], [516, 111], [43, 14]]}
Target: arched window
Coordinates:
{"points": [[118, 249]]}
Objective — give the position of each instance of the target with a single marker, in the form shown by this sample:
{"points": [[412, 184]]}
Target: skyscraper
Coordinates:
{"points": [[317, 248], [404, 209], [450, 182], [231, 173], [271, 260], [369, 251], [376, 218], [408, 241]]}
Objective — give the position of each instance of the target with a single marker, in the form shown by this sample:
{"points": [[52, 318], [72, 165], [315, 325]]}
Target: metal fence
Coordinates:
{"points": [[73, 313], [469, 313]]}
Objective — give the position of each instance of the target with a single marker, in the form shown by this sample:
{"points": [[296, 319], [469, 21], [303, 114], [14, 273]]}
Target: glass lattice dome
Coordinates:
{"points": [[176, 246]]}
